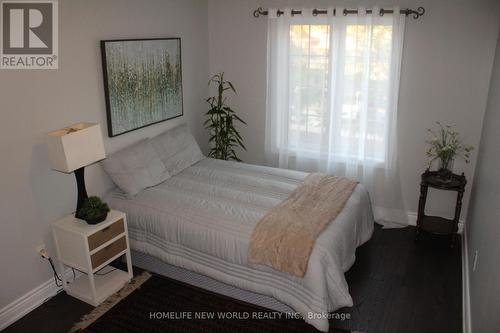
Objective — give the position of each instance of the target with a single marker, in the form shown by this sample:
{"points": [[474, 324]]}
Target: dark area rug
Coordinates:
{"points": [[164, 305]]}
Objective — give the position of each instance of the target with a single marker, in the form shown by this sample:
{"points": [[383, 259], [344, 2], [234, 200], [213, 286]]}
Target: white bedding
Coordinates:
{"points": [[202, 219]]}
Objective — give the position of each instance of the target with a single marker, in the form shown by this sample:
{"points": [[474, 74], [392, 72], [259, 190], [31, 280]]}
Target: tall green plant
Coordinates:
{"points": [[224, 137]]}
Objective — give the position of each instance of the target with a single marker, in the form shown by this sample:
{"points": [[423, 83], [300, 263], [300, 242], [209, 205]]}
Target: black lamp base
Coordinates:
{"points": [[82, 191]]}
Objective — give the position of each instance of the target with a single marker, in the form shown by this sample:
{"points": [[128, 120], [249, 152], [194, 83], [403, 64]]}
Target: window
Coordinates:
{"points": [[332, 96], [353, 116], [309, 58]]}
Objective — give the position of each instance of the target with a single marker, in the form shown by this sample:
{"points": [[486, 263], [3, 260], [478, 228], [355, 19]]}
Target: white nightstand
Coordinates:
{"points": [[89, 248]]}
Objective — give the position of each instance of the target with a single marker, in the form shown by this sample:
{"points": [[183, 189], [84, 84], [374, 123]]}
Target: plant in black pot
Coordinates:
{"points": [[93, 210]]}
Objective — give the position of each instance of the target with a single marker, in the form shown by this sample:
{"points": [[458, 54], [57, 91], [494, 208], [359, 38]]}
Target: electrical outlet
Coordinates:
{"points": [[474, 264], [39, 248]]}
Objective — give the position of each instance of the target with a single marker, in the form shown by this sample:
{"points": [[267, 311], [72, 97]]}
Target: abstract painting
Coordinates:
{"points": [[142, 82]]}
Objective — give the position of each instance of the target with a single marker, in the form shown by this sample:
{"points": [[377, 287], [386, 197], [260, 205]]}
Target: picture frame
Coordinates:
{"points": [[142, 82]]}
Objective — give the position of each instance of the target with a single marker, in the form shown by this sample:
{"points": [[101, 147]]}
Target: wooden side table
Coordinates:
{"points": [[90, 248], [436, 224]]}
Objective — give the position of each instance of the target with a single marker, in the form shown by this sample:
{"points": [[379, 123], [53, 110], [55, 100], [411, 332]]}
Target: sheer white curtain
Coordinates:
{"points": [[332, 97]]}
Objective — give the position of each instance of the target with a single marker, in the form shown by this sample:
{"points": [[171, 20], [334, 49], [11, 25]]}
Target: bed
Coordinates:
{"points": [[201, 219]]}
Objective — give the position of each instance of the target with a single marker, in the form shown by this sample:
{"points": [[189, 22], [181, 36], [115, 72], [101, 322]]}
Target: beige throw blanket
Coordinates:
{"points": [[285, 236]]}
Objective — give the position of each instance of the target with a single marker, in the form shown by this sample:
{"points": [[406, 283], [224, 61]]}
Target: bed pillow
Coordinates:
{"points": [[135, 168], [177, 149]]}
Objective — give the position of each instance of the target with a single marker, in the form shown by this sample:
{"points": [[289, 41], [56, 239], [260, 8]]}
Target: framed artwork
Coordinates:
{"points": [[142, 82]]}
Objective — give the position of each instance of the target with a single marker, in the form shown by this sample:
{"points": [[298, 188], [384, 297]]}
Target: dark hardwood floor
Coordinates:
{"points": [[402, 286], [397, 286]]}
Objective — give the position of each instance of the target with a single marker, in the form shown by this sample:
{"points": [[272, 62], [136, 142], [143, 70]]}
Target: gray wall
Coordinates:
{"points": [[483, 228], [448, 54], [33, 102]]}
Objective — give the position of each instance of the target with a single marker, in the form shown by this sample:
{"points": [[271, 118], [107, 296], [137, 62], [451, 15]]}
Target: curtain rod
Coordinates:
{"points": [[408, 11]]}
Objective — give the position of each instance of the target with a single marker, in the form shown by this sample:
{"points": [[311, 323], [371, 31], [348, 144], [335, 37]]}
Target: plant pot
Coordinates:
{"points": [[446, 164], [98, 219], [445, 175], [445, 170]]}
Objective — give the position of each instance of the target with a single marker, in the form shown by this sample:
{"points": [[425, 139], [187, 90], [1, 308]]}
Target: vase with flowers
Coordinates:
{"points": [[445, 146]]}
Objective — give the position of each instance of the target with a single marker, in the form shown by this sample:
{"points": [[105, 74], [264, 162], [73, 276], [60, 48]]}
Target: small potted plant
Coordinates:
{"points": [[445, 145], [94, 210]]}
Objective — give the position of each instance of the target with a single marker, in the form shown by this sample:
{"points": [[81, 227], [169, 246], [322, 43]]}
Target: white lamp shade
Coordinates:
{"points": [[75, 146]]}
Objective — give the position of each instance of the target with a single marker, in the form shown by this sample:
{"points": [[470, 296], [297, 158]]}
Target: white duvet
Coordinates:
{"points": [[202, 219]]}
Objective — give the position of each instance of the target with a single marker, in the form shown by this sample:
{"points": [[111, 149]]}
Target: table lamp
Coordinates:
{"points": [[74, 147]]}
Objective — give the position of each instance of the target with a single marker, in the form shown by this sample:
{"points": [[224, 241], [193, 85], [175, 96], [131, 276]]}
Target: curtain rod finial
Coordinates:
{"points": [[416, 13], [420, 12], [259, 11]]}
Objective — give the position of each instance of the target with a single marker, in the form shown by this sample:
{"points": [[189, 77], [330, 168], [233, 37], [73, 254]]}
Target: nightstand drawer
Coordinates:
{"points": [[106, 234], [108, 252]]}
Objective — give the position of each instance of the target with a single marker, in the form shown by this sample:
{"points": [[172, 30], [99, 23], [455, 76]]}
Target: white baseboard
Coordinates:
{"points": [[467, 327], [412, 220], [29, 301]]}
